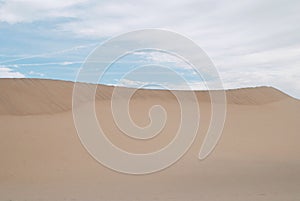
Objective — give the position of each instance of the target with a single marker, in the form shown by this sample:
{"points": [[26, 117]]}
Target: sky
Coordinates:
{"points": [[251, 42]]}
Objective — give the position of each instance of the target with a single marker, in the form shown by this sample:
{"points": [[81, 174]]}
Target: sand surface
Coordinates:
{"points": [[42, 159]]}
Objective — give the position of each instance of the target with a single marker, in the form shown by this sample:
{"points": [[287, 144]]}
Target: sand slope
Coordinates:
{"points": [[41, 157]]}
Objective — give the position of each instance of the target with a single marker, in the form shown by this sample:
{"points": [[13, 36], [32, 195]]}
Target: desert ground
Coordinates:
{"points": [[42, 158]]}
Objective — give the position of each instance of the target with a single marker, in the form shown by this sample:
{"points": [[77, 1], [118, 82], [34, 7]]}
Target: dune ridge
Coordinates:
{"points": [[37, 96]]}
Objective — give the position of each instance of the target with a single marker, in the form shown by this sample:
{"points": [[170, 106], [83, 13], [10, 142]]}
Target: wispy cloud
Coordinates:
{"points": [[64, 63], [47, 54]]}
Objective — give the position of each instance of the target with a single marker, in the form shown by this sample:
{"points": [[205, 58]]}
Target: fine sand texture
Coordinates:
{"points": [[42, 158]]}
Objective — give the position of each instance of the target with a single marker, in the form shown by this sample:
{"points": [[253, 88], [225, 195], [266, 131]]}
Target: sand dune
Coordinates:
{"points": [[35, 96], [42, 158]]}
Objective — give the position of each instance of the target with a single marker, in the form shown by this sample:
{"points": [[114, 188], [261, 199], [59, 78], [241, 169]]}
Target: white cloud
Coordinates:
{"points": [[162, 85], [16, 11], [161, 58], [252, 42], [36, 73], [132, 83], [9, 73], [285, 80]]}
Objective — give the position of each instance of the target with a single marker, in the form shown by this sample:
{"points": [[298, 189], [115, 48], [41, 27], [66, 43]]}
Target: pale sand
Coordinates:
{"points": [[41, 157]]}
